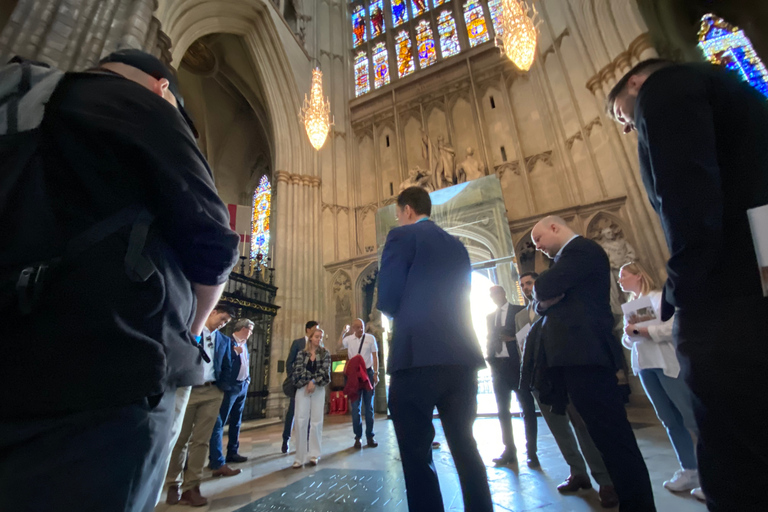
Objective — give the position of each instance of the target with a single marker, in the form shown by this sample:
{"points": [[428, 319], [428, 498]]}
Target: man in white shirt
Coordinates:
{"points": [[504, 360], [364, 344]]}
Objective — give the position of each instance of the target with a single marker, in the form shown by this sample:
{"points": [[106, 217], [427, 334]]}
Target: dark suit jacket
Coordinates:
{"points": [[703, 146], [506, 367], [228, 380], [297, 346], [577, 331], [222, 361], [424, 284]]}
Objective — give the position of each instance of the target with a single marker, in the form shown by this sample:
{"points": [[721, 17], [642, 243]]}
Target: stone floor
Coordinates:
{"points": [[268, 471]]}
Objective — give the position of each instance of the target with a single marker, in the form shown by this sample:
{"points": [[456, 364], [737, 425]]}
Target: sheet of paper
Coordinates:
{"points": [[758, 223], [521, 335], [640, 312]]}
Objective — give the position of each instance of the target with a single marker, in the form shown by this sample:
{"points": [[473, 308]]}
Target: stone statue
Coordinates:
{"points": [[619, 252], [471, 168], [342, 291], [418, 177], [446, 167], [429, 153]]}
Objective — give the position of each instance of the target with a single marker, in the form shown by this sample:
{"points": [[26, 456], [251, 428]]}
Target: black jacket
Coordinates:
{"points": [[577, 330], [703, 147]]}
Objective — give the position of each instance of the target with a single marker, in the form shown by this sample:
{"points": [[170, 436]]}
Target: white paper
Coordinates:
{"points": [[640, 312], [521, 335], [758, 223]]}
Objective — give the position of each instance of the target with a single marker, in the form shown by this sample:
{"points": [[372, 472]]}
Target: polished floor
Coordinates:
{"points": [[268, 482]]}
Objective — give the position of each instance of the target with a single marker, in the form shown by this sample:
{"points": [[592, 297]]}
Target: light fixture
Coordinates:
{"points": [[316, 113], [518, 33]]}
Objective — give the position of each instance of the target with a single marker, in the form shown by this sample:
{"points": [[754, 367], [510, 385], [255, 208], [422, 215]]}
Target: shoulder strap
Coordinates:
{"points": [[360, 349]]}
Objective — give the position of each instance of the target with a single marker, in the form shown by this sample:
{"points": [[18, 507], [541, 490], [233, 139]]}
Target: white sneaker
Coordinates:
{"points": [[698, 494], [683, 480], [296, 465]]}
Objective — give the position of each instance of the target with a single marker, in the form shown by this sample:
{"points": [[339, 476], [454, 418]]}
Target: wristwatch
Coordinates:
{"points": [[635, 332]]}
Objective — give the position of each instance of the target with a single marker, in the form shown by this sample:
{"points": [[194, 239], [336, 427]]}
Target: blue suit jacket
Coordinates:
{"points": [[222, 358], [424, 284]]}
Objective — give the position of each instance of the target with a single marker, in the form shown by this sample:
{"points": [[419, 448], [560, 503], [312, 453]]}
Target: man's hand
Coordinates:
{"points": [[546, 304], [629, 330], [238, 349], [311, 387], [375, 379]]}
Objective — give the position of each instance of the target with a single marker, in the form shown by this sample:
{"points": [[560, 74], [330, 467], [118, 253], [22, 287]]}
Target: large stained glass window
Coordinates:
{"points": [[438, 3], [425, 44], [405, 64], [358, 26], [475, 20], [449, 39], [399, 12], [419, 7], [376, 11], [495, 7], [362, 85], [380, 65], [262, 207], [726, 45]]}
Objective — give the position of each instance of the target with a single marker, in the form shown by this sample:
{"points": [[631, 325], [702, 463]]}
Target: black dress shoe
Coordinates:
{"points": [[284, 449], [358, 444], [372, 443], [533, 461], [573, 483], [236, 457], [506, 459]]}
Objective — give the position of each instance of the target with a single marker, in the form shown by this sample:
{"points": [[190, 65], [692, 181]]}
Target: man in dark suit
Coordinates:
{"points": [[424, 284], [296, 346], [504, 360], [233, 382], [703, 146], [582, 354]]}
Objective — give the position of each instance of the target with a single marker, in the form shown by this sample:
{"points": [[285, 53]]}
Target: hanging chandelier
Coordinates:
{"points": [[518, 33], [316, 113]]}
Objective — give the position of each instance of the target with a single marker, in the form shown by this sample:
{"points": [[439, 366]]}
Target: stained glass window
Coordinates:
{"points": [[495, 7], [380, 65], [475, 20], [425, 44], [362, 85], [726, 45], [438, 3], [376, 11], [262, 206], [358, 26], [449, 39], [399, 12], [419, 7], [405, 64]]}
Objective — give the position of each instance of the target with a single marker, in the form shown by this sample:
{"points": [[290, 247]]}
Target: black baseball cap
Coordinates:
{"points": [[152, 66]]}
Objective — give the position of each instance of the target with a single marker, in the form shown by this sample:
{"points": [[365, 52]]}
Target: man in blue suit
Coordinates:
{"points": [[296, 346], [233, 382], [424, 285], [200, 416]]}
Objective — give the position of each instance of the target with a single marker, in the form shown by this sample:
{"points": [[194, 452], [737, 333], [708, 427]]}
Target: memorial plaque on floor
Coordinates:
{"points": [[337, 490]]}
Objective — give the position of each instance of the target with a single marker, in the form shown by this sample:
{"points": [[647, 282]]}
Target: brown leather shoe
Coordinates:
{"points": [[193, 498], [358, 444], [608, 497], [226, 471], [173, 495], [573, 483], [372, 443]]}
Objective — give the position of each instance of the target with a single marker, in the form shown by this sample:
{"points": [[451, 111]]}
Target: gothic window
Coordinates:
{"points": [[358, 26], [475, 21], [376, 11], [419, 7], [495, 7], [380, 65], [449, 39], [361, 74], [425, 44], [399, 12], [404, 54], [262, 207], [438, 3], [724, 44]]}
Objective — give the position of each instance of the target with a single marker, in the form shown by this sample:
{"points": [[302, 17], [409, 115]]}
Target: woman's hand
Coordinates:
{"points": [[311, 387], [629, 330]]}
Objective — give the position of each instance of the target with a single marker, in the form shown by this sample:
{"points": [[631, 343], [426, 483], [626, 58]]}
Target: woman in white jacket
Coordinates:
{"points": [[655, 360]]}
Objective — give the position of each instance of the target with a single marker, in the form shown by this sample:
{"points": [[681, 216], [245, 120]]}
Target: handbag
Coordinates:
{"points": [[289, 388]]}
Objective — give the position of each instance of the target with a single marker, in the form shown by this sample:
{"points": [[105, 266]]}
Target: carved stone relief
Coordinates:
{"points": [[342, 298], [470, 168], [610, 235]]}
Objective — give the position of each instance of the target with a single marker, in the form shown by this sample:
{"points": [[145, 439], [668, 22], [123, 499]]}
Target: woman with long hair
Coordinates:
{"points": [[654, 359], [311, 373]]}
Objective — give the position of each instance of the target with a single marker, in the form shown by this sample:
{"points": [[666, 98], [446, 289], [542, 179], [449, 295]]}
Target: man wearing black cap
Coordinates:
{"points": [[143, 248]]}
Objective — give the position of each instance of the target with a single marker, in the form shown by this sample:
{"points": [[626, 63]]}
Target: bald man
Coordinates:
{"points": [[582, 354], [364, 344]]}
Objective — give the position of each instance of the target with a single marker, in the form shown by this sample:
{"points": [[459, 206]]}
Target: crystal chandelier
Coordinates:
{"points": [[518, 33], [316, 113]]}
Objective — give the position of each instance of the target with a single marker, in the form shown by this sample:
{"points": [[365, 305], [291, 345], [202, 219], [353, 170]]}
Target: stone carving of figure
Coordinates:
{"points": [[418, 177], [471, 168], [619, 252], [446, 167], [429, 153]]}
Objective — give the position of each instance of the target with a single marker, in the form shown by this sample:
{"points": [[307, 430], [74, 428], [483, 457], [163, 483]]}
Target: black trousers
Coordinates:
{"points": [[413, 396], [104, 460], [724, 352], [594, 392], [288, 427], [506, 379]]}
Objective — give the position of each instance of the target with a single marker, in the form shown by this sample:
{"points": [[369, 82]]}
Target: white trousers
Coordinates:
{"points": [[310, 411], [182, 399]]}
